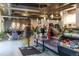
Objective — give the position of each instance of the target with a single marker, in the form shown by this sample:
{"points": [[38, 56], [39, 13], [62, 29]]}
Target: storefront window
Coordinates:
{"points": [[69, 19]]}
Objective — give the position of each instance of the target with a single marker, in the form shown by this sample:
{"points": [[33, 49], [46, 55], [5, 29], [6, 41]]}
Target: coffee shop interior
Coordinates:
{"points": [[39, 29]]}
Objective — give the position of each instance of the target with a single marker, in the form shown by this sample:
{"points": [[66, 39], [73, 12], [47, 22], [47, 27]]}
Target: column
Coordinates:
{"points": [[0, 21], [77, 16]]}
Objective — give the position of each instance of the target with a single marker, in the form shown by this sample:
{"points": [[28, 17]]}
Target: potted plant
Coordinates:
{"points": [[1, 35]]}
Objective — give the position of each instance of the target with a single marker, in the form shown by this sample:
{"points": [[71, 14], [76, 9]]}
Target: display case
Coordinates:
{"points": [[69, 44], [51, 44]]}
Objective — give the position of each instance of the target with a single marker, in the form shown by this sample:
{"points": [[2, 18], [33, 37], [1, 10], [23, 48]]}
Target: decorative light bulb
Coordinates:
{"points": [[51, 16], [48, 20], [37, 19]]}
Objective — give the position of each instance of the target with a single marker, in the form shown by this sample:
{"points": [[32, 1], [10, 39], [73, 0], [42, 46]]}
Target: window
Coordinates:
{"points": [[69, 19]]}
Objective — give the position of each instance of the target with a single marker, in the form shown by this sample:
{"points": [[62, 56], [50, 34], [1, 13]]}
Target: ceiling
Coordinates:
{"points": [[43, 8], [31, 4], [53, 6]]}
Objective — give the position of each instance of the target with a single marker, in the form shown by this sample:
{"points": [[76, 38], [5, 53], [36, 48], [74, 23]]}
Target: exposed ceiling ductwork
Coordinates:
{"points": [[38, 9]]}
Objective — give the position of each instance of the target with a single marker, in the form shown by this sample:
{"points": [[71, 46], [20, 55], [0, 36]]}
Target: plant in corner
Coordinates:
{"points": [[1, 35]]}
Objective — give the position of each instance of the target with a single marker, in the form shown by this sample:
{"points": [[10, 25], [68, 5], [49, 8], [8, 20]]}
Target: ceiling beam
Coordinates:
{"points": [[14, 17], [66, 6]]}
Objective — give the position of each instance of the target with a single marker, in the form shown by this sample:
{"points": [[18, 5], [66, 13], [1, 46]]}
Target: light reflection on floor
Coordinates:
{"points": [[10, 48]]}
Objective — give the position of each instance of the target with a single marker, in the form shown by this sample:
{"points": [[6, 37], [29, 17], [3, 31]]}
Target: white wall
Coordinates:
{"points": [[77, 16], [1, 23]]}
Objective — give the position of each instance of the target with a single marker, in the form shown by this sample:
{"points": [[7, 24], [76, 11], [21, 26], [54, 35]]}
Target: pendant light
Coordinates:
{"points": [[48, 20], [37, 20], [52, 16]]}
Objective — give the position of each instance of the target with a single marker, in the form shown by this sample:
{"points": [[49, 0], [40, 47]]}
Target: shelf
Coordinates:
{"points": [[67, 51], [52, 47], [73, 39]]}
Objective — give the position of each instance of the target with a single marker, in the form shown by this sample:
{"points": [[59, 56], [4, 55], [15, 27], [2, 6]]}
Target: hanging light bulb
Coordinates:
{"points": [[37, 19], [51, 16], [48, 20], [18, 25], [23, 26], [44, 18], [13, 25]]}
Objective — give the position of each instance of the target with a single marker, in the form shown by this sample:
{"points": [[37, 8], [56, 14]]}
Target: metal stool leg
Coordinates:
{"points": [[28, 41], [43, 47], [36, 42]]}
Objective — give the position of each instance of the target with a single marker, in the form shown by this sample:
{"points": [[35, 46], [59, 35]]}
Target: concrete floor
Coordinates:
{"points": [[10, 48]]}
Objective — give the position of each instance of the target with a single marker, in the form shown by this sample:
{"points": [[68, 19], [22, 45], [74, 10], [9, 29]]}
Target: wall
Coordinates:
{"points": [[0, 21], [7, 24], [69, 18], [46, 22], [77, 16], [34, 23], [1, 24]]}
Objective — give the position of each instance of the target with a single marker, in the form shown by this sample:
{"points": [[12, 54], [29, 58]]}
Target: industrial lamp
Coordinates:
{"points": [[51, 16]]}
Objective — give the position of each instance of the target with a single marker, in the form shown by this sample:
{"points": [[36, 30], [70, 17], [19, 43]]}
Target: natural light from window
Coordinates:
{"points": [[70, 19]]}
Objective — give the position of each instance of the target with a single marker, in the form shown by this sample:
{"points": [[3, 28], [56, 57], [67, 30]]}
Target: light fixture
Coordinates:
{"points": [[23, 26], [25, 14], [48, 20], [42, 15], [18, 25], [44, 18], [51, 16], [37, 20], [57, 15], [13, 24]]}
